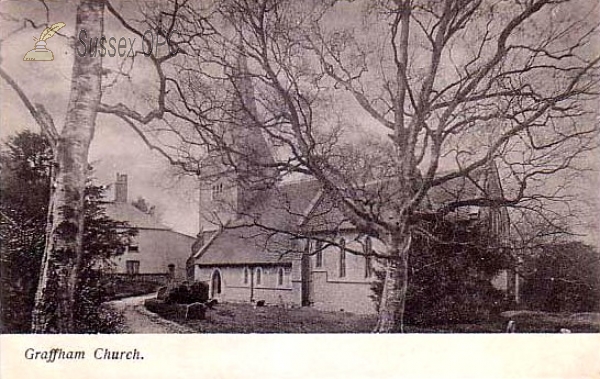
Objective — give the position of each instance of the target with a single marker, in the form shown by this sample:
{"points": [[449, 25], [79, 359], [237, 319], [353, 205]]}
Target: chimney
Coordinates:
{"points": [[121, 188]]}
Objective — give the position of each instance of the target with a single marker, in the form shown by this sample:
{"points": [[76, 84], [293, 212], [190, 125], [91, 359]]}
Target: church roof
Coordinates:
{"points": [[327, 215], [256, 238], [249, 239], [253, 238], [247, 245]]}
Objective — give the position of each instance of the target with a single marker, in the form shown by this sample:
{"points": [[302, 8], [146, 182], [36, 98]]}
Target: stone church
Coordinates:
{"points": [[240, 254]]}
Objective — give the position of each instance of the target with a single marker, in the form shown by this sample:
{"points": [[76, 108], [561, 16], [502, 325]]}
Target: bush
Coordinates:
{"points": [[563, 278], [450, 283], [91, 315], [188, 293], [160, 307], [173, 311], [121, 287]]}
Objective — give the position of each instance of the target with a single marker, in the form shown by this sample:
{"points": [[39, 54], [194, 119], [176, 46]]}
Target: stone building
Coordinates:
{"points": [[245, 260], [156, 250], [243, 257]]}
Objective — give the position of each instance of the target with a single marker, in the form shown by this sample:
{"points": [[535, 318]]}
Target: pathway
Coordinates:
{"points": [[139, 320]]}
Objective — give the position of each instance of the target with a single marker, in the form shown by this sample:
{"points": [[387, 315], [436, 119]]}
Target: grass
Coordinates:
{"points": [[244, 318], [547, 322]]}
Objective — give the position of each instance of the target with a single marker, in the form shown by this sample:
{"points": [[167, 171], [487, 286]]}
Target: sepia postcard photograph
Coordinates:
{"points": [[308, 188]]}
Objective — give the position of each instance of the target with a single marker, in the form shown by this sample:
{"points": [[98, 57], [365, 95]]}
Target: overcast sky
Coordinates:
{"points": [[115, 147]]}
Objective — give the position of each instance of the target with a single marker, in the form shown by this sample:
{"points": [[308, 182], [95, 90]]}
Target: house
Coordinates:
{"points": [[157, 250], [244, 258]]}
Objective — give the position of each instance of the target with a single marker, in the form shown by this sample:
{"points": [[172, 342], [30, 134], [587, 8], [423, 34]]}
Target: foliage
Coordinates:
{"points": [[187, 293], [459, 86], [450, 279], [176, 311], [122, 286], [91, 315], [563, 278], [26, 164]]}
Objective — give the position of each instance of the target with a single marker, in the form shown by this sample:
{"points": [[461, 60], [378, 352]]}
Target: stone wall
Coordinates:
{"points": [[234, 289], [351, 292]]}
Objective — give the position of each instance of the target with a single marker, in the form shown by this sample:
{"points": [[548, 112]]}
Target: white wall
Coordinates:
{"points": [[156, 250]]}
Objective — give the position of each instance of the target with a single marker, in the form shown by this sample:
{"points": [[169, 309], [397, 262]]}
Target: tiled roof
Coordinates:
{"points": [[247, 245], [327, 216], [301, 204], [244, 242], [121, 211], [457, 189]]}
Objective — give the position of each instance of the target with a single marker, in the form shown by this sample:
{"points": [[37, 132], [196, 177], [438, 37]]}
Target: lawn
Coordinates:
{"points": [[244, 318]]}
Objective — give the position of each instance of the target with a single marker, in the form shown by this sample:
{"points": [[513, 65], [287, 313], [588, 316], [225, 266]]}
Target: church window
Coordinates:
{"points": [[216, 191], [342, 258], [368, 263], [280, 277], [258, 276], [246, 275], [319, 254]]}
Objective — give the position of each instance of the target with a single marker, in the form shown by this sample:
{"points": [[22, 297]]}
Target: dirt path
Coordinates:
{"points": [[139, 320]]}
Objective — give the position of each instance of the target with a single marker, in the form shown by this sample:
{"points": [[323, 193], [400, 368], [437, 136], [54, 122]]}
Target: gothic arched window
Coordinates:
{"points": [[368, 251], [258, 276], [318, 254], [342, 258]]}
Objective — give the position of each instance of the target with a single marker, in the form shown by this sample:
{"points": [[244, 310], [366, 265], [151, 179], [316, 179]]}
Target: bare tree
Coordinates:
{"points": [[56, 292], [459, 86]]}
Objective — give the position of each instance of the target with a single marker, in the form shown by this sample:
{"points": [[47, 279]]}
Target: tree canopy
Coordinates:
{"points": [[24, 196]]}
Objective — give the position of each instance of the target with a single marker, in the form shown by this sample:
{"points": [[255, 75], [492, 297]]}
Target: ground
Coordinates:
{"points": [[245, 318], [139, 320]]}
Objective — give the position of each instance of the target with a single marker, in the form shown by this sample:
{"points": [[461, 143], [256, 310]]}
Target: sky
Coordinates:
{"points": [[115, 147]]}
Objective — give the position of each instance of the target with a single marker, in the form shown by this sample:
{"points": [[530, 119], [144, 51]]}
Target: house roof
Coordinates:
{"points": [[121, 211]]}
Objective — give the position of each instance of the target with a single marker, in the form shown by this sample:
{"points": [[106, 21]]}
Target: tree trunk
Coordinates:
{"points": [[395, 285], [56, 293]]}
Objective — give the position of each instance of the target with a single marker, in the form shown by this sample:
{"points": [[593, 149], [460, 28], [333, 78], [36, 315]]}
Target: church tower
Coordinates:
{"points": [[236, 176]]}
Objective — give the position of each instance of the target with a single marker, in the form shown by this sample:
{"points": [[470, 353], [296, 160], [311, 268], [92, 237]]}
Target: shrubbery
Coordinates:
{"points": [[184, 301], [450, 282], [562, 278], [188, 293], [26, 164]]}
